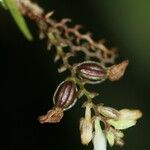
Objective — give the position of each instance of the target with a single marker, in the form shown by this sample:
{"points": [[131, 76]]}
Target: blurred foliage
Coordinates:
{"points": [[3, 4], [11, 6]]}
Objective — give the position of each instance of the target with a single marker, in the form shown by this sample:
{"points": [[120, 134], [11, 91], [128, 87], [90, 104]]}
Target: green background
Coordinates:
{"points": [[31, 76]]}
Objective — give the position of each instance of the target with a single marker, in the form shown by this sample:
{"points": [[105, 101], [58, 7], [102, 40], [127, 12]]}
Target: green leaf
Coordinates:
{"points": [[11, 5], [3, 4]]}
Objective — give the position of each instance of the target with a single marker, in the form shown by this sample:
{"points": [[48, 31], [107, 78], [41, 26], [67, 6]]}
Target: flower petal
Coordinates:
{"points": [[99, 139], [86, 131], [130, 114], [110, 137], [121, 124]]}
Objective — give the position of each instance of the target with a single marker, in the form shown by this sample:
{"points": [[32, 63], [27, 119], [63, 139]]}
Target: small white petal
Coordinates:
{"points": [[99, 139], [121, 124], [86, 127], [86, 131], [130, 114]]}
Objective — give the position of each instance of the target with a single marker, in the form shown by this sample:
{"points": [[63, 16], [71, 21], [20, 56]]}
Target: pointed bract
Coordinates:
{"points": [[117, 71]]}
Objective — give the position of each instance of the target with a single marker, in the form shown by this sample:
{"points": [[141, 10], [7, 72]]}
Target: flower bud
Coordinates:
{"points": [[119, 142], [86, 131], [65, 95], [128, 114], [108, 112], [86, 127], [119, 134], [92, 71], [114, 136], [117, 71], [53, 116], [121, 124], [110, 137]]}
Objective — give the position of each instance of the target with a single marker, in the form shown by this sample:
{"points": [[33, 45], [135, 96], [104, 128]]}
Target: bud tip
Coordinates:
{"points": [[117, 71]]}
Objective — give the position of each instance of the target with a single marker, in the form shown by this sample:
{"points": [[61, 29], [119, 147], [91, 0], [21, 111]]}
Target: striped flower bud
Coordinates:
{"points": [[108, 112], [64, 98], [92, 71], [114, 136], [65, 95]]}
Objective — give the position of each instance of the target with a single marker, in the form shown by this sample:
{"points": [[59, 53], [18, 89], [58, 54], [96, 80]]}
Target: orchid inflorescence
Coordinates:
{"points": [[73, 88], [100, 123]]}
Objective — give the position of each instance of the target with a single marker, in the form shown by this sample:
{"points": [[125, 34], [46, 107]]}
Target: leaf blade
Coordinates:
{"points": [[18, 18]]}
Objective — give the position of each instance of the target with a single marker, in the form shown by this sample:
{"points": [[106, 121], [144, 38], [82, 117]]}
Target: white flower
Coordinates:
{"points": [[99, 139], [110, 137], [121, 124], [108, 112], [127, 118], [114, 137], [86, 127], [130, 114]]}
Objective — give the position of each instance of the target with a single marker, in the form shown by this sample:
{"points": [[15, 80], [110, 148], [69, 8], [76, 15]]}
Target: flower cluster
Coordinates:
{"points": [[114, 122], [73, 88], [101, 123]]}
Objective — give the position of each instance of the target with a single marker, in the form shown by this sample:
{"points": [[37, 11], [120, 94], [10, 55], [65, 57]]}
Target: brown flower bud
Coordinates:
{"points": [[53, 116], [92, 71], [65, 95], [117, 71]]}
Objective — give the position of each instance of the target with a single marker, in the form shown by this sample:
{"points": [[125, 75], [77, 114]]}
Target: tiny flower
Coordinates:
{"points": [[108, 112], [51, 36], [127, 118], [110, 137], [119, 142], [121, 124], [128, 114], [114, 136], [53, 116], [86, 125], [117, 71], [119, 134], [99, 139]]}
